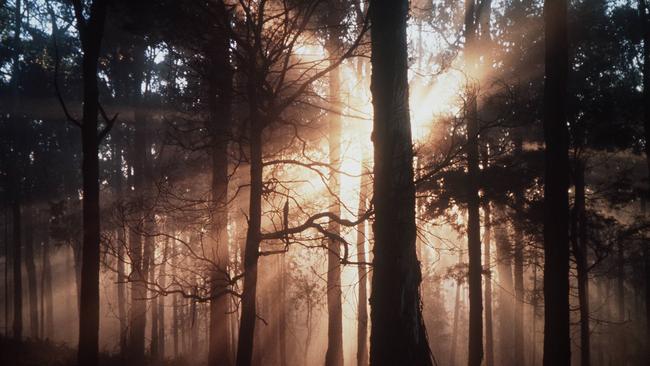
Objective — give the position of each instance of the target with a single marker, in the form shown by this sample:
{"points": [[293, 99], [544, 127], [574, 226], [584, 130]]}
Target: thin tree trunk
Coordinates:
{"points": [[15, 184], [175, 315], [30, 266], [47, 294], [620, 305], [454, 331], [17, 267], [7, 293], [579, 236], [282, 321], [518, 262], [489, 334], [505, 293], [162, 280], [557, 344], [362, 310], [139, 245], [398, 334], [645, 20], [154, 343]]}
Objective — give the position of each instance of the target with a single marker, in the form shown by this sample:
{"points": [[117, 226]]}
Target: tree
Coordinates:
{"points": [[475, 351], [90, 30], [398, 334], [557, 346]]}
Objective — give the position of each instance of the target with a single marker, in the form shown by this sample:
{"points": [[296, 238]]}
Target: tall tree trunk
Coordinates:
{"points": [[253, 235], [505, 293], [557, 345], [15, 183], [645, 19], [398, 334], [579, 246], [17, 271], [30, 266], [454, 330], [362, 310], [91, 33], [47, 295], [489, 333], [334, 354], [7, 299], [155, 342], [175, 314], [121, 282], [282, 321], [161, 302], [220, 99], [475, 344], [620, 305], [138, 238], [518, 261]]}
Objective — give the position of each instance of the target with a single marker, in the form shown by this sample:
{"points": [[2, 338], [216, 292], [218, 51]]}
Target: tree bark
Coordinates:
{"points": [[645, 19], [518, 262], [362, 310], [489, 332], [17, 271], [475, 344], [253, 235], [557, 345], [138, 238], [505, 293], [30, 266], [17, 326], [91, 33], [579, 246], [334, 354], [47, 295], [219, 100], [398, 334]]}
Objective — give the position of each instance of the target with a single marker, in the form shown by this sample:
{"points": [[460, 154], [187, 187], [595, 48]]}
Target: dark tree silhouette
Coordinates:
{"points": [[398, 335]]}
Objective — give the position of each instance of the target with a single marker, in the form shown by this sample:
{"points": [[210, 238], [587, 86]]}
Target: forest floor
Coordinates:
{"points": [[31, 352]]}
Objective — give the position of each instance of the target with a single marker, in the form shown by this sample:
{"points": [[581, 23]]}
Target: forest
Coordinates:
{"points": [[325, 182]]}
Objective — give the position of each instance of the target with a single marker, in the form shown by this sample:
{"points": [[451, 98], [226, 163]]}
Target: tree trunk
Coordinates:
{"points": [[253, 235], [153, 345], [454, 330], [334, 354], [138, 243], [15, 183], [557, 345], [579, 243], [175, 314], [518, 259], [489, 333], [17, 267], [30, 266], [475, 345], [362, 310], [121, 289], [220, 99], [620, 305], [505, 293], [47, 295], [645, 19], [282, 321], [91, 33], [398, 335]]}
